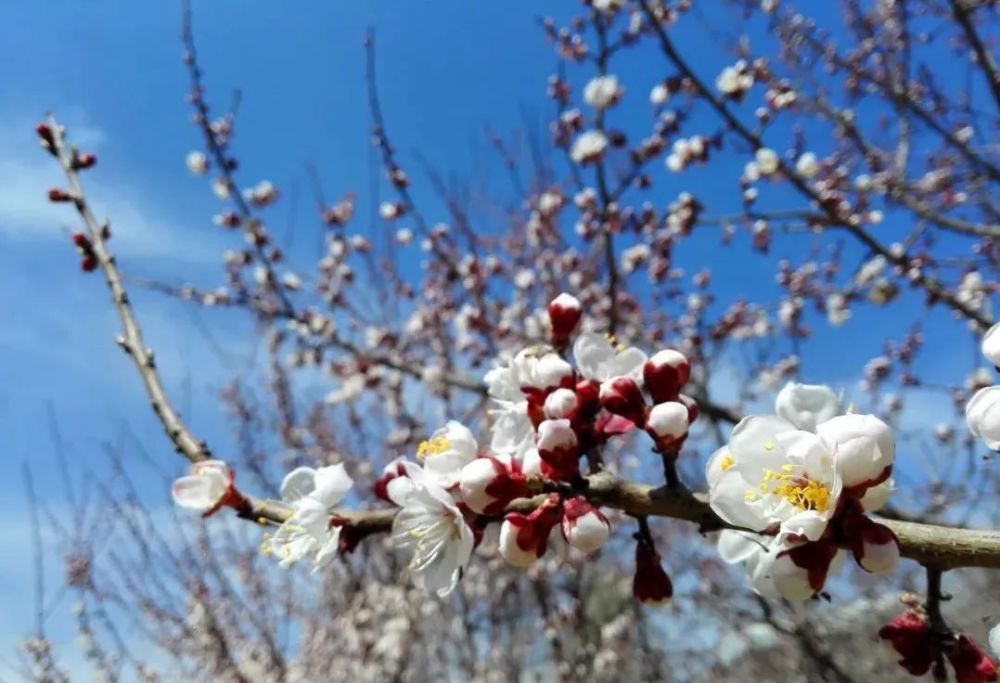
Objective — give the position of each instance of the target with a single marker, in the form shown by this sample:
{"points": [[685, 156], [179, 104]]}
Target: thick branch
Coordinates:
{"points": [[929, 544]]}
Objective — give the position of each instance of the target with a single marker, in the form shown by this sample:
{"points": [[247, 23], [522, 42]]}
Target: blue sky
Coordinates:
{"points": [[112, 72]]}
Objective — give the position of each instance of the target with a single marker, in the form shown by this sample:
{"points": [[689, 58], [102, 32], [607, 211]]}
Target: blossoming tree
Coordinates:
{"points": [[511, 426]]}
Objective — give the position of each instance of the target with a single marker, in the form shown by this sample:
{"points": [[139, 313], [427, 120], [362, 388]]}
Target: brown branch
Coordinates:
{"points": [[983, 56], [931, 285], [929, 544], [131, 338]]}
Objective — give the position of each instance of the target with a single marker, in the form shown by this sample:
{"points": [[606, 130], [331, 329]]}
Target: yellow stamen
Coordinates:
{"points": [[803, 493], [434, 446], [727, 462]]}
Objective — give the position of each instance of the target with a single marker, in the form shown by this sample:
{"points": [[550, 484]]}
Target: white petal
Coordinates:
{"points": [[806, 405], [876, 497], [591, 351], [982, 414], [298, 483], [332, 484], [728, 499], [399, 490], [759, 443], [198, 492], [628, 363], [991, 348], [863, 446], [328, 549], [995, 640], [791, 580], [736, 546]]}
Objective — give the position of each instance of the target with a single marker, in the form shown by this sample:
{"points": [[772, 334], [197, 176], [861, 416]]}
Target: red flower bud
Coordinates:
{"points": [[664, 374], [651, 583], [84, 161], [564, 314], [59, 195], [622, 396]]}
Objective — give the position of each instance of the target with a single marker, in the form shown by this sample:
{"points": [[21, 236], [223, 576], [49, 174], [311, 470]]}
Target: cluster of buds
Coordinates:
{"points": [[553, 412], [85, 248], [262, 194], [340, 213], [686, 151], [589, 147], [734, 81], [923, 648], [670, 414]]}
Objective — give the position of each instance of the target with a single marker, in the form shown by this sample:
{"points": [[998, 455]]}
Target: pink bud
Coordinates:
{"points": [[524, 538], [584, 526], [622, 396], [668, 424], [665, 373], [561, 403], [558, 449], [396, 484], [692, 407], [564, 314], [488, 484]]}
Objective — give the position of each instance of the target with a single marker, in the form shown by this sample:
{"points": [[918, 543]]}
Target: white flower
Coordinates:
{"points": [[432, 526], [767, 161], [601, 92], [995, 640], [991, 345], [449, 449], [204, 488], [589, 147], [512, 429], [598, 360], [982, 414], [313, 495], [659, 94], [197, 162], [806, 405], [734, 80], [807, 165], [773, 473], [607, 6]]}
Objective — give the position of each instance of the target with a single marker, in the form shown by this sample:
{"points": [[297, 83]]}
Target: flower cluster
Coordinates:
{"points": [[803, 479], [982, 412]]}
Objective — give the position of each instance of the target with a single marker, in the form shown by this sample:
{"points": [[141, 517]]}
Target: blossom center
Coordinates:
{"points": [[727, 462], [434, 446], [800, 491]]}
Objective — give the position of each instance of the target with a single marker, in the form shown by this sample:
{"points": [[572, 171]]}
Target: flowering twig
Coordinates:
{"points": [[130, 340]]}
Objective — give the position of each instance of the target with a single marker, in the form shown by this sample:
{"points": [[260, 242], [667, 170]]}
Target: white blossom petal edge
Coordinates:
{"points": [[432, 526]]}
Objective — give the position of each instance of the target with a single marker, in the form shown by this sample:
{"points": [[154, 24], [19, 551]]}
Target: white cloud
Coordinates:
{"points": [[27, 173]]}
